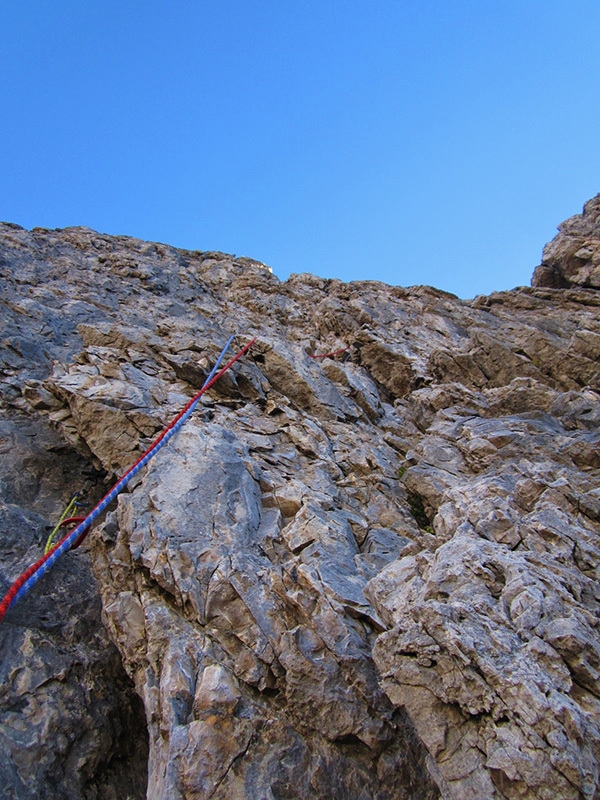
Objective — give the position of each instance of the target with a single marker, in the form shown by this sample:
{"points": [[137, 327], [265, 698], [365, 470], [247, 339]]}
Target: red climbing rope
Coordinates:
{"points": [[75, 521], [330, 355]]}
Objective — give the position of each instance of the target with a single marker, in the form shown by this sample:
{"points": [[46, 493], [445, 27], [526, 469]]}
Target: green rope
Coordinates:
{"points": [[66, 513]]}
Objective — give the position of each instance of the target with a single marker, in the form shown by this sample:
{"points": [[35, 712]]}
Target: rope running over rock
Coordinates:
{"points": [[32, 574], [330, 355]]}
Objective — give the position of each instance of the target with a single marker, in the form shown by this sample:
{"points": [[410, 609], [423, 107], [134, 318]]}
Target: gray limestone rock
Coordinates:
{"points": [[372, 575]]}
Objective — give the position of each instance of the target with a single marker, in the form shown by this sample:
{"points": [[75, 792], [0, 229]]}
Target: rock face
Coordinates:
{"points": [[572, 258], [370, 575]]}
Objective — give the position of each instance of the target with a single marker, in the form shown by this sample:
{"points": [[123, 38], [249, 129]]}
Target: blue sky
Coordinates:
{"points": [[415, 141]]}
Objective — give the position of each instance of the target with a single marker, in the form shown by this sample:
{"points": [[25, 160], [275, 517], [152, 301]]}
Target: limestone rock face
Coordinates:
{"points": [[572, 258], [369, 575]]}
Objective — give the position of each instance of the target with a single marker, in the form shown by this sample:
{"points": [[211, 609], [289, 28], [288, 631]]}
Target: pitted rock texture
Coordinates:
{"points": [[572, 258], [372, 575]]}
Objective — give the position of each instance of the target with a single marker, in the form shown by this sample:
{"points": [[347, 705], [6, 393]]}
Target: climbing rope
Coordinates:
{"points": [[32, 574], [330, 355]]}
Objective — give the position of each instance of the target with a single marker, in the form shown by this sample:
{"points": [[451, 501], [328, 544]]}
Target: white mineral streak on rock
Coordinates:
{"points": [[373, 578]]}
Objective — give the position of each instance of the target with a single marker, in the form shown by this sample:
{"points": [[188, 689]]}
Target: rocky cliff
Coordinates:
{"points": [[367, 575], [573, 257]]}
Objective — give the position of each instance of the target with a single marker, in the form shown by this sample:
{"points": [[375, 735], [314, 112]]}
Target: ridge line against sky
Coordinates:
{"points": [[409, 142]]}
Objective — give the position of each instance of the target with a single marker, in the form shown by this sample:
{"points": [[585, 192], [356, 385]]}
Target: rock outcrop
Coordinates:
{"points": [[371, 575], [572, 258]]}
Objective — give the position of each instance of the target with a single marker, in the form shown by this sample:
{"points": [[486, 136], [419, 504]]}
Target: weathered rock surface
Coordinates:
{"points": [[373, 575], [70, 724], [572, 258]]}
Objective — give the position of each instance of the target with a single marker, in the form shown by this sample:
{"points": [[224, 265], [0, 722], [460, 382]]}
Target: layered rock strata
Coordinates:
{"points": [[372, 575]]}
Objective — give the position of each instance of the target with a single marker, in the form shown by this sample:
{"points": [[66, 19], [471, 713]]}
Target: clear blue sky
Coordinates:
{"points": [[414, 141]]}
